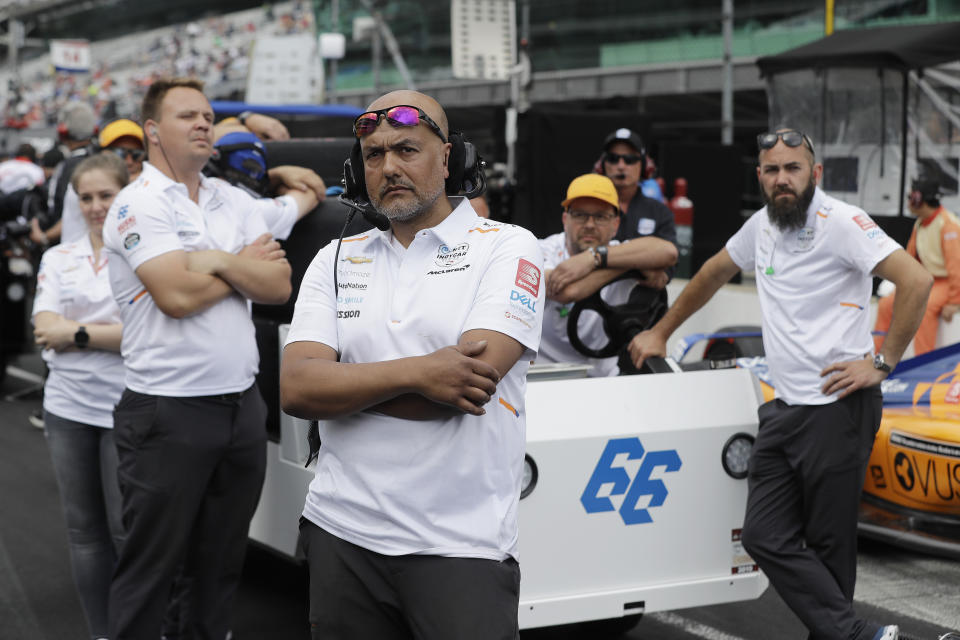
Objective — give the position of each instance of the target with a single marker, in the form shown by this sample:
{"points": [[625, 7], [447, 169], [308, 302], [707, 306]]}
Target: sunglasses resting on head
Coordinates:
{"points": [[402, 115], [790, 137]]}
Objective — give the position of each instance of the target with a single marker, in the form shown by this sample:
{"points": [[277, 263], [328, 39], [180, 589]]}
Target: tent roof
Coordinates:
{"points": [[910, 47]]}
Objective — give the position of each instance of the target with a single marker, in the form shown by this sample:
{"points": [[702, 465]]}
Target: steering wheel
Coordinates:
{"points": [[620, 322]]}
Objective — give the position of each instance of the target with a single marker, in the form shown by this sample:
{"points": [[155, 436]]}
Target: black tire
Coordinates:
{"points": [[731, 348]]}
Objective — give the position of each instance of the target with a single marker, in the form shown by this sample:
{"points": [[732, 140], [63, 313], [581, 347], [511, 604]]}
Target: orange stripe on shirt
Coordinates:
{"points": [[510, 407], [355, 239], [482, 230], [821, 214], [851, 304], [138, 296]]}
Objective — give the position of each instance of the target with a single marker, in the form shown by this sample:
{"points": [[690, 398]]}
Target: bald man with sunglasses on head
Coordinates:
{"points": [[412, 344], [814, 258]]}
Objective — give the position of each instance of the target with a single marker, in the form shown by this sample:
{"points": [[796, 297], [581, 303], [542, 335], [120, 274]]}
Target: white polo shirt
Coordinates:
{"points": [[555, 345], [440, 487], [83, 385], [73, 226], [210, 352], [814, 286]]}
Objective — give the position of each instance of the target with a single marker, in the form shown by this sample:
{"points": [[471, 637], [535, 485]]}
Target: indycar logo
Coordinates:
{"points": [[635, 489]]}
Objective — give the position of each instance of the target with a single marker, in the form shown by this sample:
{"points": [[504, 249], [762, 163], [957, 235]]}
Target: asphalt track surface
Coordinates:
{"points": [[38, 600]]}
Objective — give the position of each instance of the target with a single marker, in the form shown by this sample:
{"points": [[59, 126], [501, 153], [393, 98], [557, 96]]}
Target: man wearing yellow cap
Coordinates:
{"points": [[582, 259], [125, 138]]}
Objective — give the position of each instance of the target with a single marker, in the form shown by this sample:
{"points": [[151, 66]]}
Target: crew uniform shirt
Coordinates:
{"points": [[280, 213], [19, 173], [83, 384], [814, 285], [210, 352], [935, 242], [555, 344], [446, 487]]}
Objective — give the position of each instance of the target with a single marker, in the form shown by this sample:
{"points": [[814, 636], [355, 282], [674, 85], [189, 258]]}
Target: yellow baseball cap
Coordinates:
{"points": [[592, 185], [118, 129]]}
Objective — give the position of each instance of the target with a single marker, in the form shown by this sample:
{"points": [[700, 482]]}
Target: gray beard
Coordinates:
{"points": [[405, 212], [788, 217]]}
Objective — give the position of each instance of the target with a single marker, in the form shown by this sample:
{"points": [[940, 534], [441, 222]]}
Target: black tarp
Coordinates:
{"points": [[900, 47]]}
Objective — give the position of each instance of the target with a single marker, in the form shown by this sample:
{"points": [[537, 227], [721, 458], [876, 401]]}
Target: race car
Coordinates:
{"points": [[911, 495]]}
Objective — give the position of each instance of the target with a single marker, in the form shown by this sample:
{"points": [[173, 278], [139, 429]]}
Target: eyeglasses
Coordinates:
{"points": [[790, 137], [402, 115], [629, 158], [135, 154], [581, 217]]}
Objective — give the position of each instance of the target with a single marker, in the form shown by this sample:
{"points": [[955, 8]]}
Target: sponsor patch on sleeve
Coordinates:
{"points": [[131, 240], [864, 222], [528, 277]]}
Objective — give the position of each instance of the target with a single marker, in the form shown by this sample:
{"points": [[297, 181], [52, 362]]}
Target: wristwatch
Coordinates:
{"points": [[81, 338], [602, 252], [881, 364], [242, 117]]}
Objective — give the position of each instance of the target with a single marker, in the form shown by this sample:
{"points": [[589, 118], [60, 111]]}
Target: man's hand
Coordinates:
{"points": [[948, 310], [570, 270], [654, 278], [57, 334], [646, 344], [37, 236], [850, 376], [289, 177], [263, 248], [454, 377], [266, 127]]}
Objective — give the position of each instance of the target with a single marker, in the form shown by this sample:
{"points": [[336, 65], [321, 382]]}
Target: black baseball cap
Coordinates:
{"points": [[625, 135]]}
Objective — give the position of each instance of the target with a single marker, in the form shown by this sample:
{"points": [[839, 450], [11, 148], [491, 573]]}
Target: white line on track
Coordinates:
{"points": [[692, 627]]}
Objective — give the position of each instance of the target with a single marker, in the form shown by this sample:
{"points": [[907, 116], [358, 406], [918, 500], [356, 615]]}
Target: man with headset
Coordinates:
{"points": [[935, 242], [814, 257], [583, 259], [186, 255], [415, 361]]}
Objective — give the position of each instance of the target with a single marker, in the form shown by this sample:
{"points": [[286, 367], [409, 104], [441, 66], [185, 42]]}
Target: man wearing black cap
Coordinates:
{"points": [[624, 157]]}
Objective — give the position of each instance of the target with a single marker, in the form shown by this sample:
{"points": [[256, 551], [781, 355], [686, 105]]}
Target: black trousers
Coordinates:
{"points": [[806, 475], [356, 593], [190, 472]]}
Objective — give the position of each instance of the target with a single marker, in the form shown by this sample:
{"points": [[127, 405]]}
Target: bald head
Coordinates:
{"points": [[415, 99]]}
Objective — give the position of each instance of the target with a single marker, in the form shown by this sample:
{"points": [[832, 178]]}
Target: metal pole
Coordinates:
{"points": [[828, 18], [335, 18], [726, 116], [376, 60]]}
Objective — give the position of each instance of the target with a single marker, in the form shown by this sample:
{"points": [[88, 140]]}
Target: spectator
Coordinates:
{"points": [[935, 242], [77, 323], [397, 549], [125, 138], [65, 220], [582, 259], [21, 171], [814, 258]]}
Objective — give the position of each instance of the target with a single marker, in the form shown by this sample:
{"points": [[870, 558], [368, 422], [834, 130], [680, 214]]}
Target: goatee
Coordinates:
{"points": [[790, 215]]}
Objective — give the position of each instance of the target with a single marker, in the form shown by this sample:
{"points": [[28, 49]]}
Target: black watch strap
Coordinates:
{"points": [[81, 338], [242, 117], [602, 252]]}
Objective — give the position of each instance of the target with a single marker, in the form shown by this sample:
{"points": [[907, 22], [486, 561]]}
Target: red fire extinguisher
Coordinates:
{"points": [[682, 208]]}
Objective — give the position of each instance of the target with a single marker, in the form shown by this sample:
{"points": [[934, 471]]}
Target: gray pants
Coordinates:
{"points": [[356, 593], [806, 475]]}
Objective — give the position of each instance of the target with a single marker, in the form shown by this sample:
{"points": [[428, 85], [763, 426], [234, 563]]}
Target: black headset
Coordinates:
{"points": [[466, 178], [925, 191]]}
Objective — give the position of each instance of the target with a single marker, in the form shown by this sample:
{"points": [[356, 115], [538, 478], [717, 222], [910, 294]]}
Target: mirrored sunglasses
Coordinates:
{"points": [[135, 154], [402, 115]]}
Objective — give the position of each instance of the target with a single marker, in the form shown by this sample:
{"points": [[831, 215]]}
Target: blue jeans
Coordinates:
{"points": [[85, 464]]}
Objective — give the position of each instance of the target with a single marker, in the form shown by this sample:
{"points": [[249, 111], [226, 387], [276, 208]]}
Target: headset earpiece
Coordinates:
{"points": [[355, 190]]}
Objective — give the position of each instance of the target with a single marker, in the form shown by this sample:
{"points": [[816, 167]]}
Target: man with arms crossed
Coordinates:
{"points": [[416, 362], [582, 259], [186, 255], [814, 258]]}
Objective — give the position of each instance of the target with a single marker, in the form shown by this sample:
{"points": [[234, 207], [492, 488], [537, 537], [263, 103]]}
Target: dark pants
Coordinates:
{"points": [[356, 593], [190, 473], [85, 464], [806, 474]]}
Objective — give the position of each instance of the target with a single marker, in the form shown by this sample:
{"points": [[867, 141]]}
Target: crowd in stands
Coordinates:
{"points": [[215, 50]]}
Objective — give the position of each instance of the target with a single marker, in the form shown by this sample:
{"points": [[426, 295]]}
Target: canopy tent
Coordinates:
{"points": [[882, 106]]}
